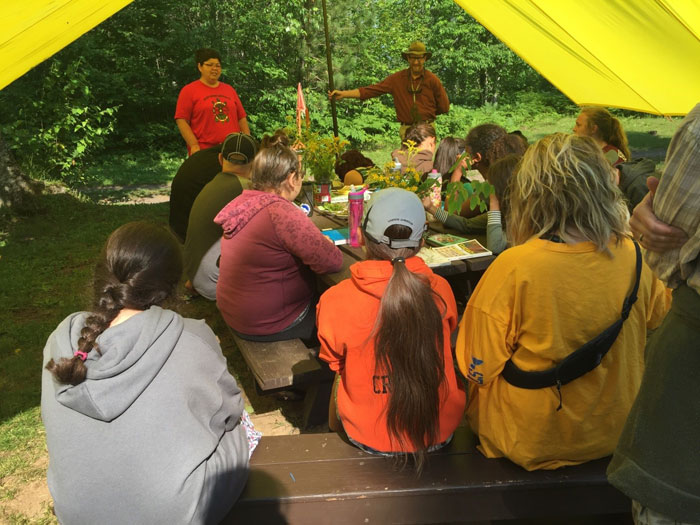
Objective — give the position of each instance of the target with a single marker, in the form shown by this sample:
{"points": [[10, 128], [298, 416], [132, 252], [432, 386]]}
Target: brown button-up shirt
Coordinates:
{"points": [[431, 101]]}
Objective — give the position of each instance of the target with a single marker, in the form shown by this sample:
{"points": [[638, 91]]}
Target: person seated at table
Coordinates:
{"points": [[346, 167], [607, 131], [499, 176], [269, 253], [144, 423], [423, 138], [561, 285], [521, 136], [485, 144], [278, 137], [386, 333], [194, 173], [203, 242], [448, 152]]}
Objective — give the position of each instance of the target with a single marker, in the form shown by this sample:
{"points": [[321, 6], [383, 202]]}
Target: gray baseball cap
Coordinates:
{"points": [[394, 206]]}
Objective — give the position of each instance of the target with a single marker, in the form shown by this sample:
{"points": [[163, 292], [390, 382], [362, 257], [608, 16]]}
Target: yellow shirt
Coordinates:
{"points": [[538, 302]]}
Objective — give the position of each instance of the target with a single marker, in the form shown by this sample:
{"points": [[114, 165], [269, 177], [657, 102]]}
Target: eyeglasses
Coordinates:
{"points": [[213, 65], [415, 58]]}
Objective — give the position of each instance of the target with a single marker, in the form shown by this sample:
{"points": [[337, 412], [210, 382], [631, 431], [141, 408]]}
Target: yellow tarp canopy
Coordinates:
{"points": [[33, 30], [635, 54]]}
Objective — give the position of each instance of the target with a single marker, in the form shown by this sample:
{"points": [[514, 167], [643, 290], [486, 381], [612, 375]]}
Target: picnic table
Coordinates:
{"points": [[470, 268]]}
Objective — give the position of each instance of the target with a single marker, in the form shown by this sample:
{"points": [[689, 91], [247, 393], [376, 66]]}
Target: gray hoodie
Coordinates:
{"points": [[152, 435]]}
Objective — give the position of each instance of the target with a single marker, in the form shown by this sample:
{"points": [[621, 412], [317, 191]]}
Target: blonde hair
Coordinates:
{"points": [[609, 129], [564, 185]]}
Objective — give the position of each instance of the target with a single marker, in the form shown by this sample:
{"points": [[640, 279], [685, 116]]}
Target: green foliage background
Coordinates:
{"points": [[116, 87]]}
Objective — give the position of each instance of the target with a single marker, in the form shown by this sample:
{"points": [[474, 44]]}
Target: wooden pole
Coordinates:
{"points": [[331, 86]]}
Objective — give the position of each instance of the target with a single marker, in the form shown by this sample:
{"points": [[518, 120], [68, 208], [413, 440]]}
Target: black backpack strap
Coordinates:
{"points": [[583, 359], [632, 297]]}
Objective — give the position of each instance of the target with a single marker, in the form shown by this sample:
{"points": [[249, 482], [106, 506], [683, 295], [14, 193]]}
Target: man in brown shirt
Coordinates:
{"points": [[418, 93]]}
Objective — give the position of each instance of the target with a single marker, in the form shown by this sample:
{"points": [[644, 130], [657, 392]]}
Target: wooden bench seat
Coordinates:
{"points": [[319, 478], [281, 365]]}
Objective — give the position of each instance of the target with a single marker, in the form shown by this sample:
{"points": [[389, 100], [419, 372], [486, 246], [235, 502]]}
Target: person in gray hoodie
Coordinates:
{"points": [[143, 420]]}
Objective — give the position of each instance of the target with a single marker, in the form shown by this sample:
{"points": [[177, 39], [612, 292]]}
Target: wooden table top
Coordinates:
{"points": [[352, 255]]}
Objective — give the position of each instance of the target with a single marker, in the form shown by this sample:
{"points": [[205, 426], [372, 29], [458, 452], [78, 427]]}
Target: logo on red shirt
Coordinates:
{"points": [[219, 108]]}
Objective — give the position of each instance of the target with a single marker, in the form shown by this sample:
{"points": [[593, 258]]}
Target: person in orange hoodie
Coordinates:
{"points": [[386, 333]]}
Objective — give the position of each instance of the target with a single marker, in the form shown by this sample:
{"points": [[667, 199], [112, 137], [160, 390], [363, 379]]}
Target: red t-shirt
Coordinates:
{"points": [[212, 112]]}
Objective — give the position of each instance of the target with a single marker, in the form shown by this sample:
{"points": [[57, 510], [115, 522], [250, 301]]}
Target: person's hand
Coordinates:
{"points": [[194, 149], [653, 234], [456, 175], [428, 204], [336, 94], [494, 205]]}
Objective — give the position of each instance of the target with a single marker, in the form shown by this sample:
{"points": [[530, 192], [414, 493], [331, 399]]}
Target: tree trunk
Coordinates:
{"points": [[17, 191]]}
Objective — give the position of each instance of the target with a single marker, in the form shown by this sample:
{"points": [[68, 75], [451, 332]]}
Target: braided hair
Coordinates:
{"points": [[140, 266]]}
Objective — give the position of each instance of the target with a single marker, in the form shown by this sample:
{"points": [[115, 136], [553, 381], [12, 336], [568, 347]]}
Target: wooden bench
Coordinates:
{"points": [[281, 365], [319, 479]]}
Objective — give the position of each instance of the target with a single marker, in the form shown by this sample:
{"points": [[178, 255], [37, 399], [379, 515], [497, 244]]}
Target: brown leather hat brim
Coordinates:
{"points": [[406, 55]]}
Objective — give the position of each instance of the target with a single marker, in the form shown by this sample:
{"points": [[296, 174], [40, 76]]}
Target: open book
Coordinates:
{"points": [[443, 255]]}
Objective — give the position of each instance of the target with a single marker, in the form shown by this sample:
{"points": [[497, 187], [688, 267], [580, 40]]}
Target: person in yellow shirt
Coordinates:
{"points": [[563, 283]]}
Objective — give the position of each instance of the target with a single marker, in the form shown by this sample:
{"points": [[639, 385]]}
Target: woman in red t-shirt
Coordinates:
{"points": [[208, 110]]}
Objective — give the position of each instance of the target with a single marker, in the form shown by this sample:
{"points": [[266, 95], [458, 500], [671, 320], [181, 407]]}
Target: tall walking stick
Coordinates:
{"points": [[331, 86]]}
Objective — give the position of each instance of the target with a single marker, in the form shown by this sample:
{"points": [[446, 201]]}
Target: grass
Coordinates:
{"points": [[649, 136], [22, 447], [133, 169], [130, 176], [46, 265]]}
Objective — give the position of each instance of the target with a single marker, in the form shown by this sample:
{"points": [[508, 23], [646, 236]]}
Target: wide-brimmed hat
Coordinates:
{"points": [[416, 48]]}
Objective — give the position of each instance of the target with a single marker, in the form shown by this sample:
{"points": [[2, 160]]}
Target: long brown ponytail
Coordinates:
{"points": [[139, 267], [609, 129], [409, 349]]}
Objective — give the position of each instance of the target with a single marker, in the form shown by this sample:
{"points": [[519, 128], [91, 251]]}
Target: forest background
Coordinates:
{"points": [[114, 89]]}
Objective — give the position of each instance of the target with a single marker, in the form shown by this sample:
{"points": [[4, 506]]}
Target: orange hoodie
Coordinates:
{"points": [[346, 316]]}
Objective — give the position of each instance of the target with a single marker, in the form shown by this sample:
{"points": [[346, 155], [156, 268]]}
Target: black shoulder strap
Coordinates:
{"points": [[583, 359]]}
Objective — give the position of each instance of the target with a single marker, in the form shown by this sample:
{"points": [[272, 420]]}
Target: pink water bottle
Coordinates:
{"points": [[356, 202]]}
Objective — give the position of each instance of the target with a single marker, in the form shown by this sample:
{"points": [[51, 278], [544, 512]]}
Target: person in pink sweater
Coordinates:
{"points": [[270, 253]]}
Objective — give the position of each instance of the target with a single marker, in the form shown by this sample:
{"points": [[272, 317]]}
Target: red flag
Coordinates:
{"points": [[301, 108], [301, 104]]}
